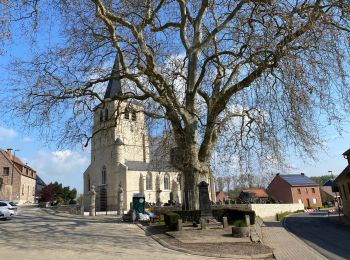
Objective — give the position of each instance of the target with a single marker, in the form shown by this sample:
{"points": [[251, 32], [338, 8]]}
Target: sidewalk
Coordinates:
{"points": [[285, 245]]}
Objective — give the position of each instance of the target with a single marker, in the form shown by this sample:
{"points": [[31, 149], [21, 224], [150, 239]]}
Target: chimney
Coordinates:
{"points": [[346, 155], [302, 173], [9, 152]]}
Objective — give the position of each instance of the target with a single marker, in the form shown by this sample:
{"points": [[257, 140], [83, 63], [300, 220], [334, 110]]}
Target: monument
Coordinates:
{"points": [[204, 202]]}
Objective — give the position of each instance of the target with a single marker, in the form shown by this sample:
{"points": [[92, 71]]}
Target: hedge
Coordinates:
{"points": [[170, 219], [231, 214]]}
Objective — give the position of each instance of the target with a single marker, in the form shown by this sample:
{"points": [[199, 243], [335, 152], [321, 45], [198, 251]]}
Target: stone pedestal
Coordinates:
{"points": [[204, 202], [120, 199]]}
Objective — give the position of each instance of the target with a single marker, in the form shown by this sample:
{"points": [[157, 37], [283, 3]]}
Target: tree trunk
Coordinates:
{"points": [[193, 175], [191, 195]]}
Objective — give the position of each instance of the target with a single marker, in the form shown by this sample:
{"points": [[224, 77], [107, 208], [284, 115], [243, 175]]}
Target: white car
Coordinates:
{"points": [[8, 207]]}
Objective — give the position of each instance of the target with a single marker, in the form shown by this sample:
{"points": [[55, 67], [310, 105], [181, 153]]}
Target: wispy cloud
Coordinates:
{"points": [[64, 166], [7, 133]]}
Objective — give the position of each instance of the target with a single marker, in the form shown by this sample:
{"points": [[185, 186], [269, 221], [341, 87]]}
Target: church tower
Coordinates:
{"points": [[120, 154]]}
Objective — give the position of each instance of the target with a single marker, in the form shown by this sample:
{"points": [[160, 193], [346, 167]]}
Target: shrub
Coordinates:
{"points": [[240, 223], [170, 219], [234, 214], [282, 215], [231, 214], [189, 215]]}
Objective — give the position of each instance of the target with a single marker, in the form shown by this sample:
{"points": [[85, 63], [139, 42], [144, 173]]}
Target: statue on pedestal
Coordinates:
{"points": [[92, 194], [120, 199]]}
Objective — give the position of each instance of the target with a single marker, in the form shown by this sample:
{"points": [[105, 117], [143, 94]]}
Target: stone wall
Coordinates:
{"points": [[266, 210]]}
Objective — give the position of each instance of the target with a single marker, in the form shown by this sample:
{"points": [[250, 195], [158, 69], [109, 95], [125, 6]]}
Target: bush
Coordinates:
{"points": [[234, 214], [170, 219], [282, 215], [231, 214], [240, 223], [189, 215]]}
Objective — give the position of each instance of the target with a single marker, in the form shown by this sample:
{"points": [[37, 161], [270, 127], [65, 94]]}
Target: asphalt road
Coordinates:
{"points": [[37, 234], [326, 235]]}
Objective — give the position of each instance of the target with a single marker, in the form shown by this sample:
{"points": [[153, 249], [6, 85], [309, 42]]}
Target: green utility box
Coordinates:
{"points": [[138, 202]]}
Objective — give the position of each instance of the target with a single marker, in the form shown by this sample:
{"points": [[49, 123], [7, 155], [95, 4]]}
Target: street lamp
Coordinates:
{"points": [[331, 174]]}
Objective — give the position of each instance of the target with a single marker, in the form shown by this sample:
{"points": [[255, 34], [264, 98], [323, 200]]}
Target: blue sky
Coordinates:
{"points": [[67, 166]]}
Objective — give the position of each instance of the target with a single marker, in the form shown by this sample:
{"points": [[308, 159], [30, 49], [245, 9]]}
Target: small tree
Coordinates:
{"points": [[56, 193]]}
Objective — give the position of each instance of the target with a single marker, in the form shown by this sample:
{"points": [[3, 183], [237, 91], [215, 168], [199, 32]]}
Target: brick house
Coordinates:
{"points": [[18, 179], [295, 188], [221, 196], [257, 194], [343, 183]]}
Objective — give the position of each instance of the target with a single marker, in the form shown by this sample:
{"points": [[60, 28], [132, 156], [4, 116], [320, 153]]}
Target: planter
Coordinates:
{"points": [[240, 231]]}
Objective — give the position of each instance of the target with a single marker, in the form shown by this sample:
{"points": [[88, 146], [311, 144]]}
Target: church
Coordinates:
{"points": [[121, 160]]}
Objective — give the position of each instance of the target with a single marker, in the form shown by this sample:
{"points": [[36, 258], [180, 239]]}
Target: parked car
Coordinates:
{"points": [[9, 206]]}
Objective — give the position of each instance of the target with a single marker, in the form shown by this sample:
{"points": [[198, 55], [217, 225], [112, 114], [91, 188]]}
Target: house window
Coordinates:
{"points": [[300, 201], [313, 190], [22, 189], [149, 181], [6, 171], [306, 191], [126, 112], [299, 191], [166, 182], [314, 201], [104, 175], [133, 116], [106, 114], [101, 116]]}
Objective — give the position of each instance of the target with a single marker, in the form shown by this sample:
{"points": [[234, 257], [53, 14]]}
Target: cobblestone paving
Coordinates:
{"points": [[285, 245], [36, 234]]}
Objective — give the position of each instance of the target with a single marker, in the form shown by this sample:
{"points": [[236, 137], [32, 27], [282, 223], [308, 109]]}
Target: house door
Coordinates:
{"points": [[308, 202], [103, 199]]}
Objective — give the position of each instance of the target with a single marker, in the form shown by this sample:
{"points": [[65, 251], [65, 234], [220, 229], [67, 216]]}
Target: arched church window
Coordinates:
{"points": [[133, 115], [88, 183], [149, 181], [101, 116], [104, 175], [106, 114], [166, 182], [126, 113]]}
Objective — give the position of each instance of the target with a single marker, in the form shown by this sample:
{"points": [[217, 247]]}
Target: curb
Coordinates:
{"points": [[175, 248]]}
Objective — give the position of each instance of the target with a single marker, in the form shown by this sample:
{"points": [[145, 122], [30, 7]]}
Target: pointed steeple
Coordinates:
{"points": [[114, 88]]}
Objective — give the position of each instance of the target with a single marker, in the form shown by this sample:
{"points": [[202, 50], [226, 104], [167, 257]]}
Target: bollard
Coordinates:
{"points": [[203, 223], [247, 220], [179, 225], [224, 222]]}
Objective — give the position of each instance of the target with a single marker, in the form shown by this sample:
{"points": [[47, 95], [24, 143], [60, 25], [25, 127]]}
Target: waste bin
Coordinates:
{"points": [[138, 202]]}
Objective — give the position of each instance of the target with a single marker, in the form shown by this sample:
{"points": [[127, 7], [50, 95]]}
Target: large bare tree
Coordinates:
{"points": [[254, 77]]}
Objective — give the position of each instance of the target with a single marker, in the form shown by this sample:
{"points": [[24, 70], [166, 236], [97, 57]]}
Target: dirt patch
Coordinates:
{"points": [[223, 249]]}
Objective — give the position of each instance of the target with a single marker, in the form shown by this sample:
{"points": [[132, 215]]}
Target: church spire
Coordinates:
{"points": [[114, 88]]}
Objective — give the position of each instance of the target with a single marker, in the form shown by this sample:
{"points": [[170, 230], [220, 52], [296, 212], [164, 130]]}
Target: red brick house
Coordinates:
{"points": [[259, 194], [343, 183], [221, 196], [295, 188]]}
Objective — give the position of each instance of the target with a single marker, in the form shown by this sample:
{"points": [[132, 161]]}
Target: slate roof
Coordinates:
{"points": [[152, 166], [114, 87], [328, 183], [39, 181], [298, 180]]}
